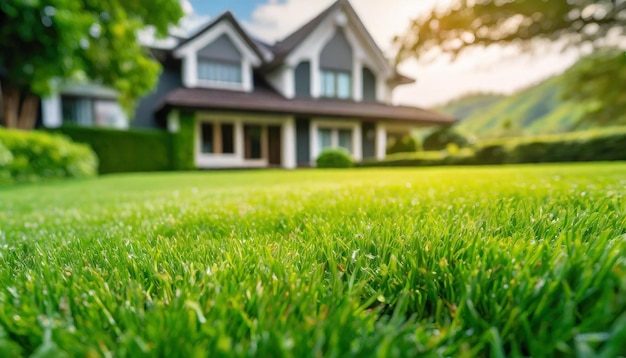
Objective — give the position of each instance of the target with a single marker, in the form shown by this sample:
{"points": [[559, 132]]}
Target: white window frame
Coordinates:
{"points": [[237, 159], [220, 63], [335, 126], [336, 74], [189, 55]]}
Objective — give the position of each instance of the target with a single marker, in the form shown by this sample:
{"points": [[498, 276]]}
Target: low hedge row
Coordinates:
{"points": [[122, 151], [28, 156], [595, 145]]}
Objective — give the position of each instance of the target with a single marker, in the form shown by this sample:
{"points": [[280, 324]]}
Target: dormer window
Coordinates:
{"points": [[336, 61], [219, 71], [336, 84]]}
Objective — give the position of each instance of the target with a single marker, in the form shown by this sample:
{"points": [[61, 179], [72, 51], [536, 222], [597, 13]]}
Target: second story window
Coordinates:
{"points": [[217, 71], [336, 84]]}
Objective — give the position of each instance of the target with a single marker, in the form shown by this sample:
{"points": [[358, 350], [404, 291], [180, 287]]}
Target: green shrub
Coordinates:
{"points": [[408, 144], [122, 151], [442, 137], [335, 158], [39, 155]]}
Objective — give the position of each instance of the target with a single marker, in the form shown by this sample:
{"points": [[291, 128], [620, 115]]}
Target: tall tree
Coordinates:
{"points": [[528, 23], [46, 42]]}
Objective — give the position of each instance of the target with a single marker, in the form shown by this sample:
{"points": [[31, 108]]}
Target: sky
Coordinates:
{"points": [[495, 69]]}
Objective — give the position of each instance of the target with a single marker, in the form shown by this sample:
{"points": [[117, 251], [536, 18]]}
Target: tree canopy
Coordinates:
{"points": [[527, 23], [468, 23], [45, 42]]}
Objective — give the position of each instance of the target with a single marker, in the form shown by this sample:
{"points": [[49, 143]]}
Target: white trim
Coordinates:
{"points": [[237, 160], [188, 54], [365, 53], [51, 111], [335, 125], [288, 136], [381, 141]]}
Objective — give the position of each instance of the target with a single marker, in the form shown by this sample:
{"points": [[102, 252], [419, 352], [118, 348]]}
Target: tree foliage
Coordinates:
{"points": [[469, 23], [442, 137], [44, 42], [526, 23]]}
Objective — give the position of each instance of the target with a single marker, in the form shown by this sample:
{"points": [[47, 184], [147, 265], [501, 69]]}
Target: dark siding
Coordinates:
{"points": [[369, 85], [369, 140], [303, 80], [302, 142], [222, 49], [169, 80], [337, 54]]}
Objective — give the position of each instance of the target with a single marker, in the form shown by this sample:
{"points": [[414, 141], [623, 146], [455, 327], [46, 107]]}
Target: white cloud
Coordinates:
{"points": [[187, 7], [492, 69]]}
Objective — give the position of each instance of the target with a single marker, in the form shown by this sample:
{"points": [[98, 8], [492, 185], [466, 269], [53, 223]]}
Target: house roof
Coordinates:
{"points": [[265, 99], [227, 16], [283, 48]]}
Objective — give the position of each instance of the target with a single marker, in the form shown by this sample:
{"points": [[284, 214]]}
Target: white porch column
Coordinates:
{"points": [[52, 116], [173, 122], [316, 82], [314, 149], [239, 141], [357, 139], [289, 144], [381, 141], [357, 75]]}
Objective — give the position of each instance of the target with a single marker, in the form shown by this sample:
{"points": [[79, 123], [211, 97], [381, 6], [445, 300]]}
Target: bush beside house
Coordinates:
{"points": [[28, 156], [335, 158], [596, 145], [408, 144], [123, 151]]}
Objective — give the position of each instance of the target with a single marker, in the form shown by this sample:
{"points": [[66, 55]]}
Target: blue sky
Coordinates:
{"points": [[241, 8]]}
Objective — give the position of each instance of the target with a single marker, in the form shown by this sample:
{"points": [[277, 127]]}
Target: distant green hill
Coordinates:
{"points": [[535, 110], [467, 105]]}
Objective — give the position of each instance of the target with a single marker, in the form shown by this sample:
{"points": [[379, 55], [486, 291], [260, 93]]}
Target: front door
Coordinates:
{"points": [[274, 143], [253, 143]]}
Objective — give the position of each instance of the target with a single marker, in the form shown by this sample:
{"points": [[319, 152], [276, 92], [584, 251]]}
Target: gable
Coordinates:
{"points": [[337, 54], [222, 39], [222, 49], [341, 14]]}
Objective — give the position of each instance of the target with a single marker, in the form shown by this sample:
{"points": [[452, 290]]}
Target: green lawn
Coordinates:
{"points": [[520, 260]]}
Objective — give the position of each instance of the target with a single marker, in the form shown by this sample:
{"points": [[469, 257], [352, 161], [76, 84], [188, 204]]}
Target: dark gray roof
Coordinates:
{"points": [[265, 99]]}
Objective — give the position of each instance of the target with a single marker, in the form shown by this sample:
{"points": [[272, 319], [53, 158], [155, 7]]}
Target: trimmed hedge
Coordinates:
{"points": [[183, 143], [122, 151], [34, 156], [335, 158], [607, 144]]}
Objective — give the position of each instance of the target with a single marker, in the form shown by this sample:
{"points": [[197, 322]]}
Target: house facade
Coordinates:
{"points": [[251, 104]]}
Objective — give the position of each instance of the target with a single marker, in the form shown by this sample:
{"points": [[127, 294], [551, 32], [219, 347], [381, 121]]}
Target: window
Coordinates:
{"points": [[215, 71], [217, 138], [336, 84], [325, 138], [228, 139], [93, 112], [345, 139], [207, 138], [335, 138]]}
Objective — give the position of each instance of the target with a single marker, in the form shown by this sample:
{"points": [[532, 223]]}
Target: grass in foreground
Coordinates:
{"points": [[442, 262]]}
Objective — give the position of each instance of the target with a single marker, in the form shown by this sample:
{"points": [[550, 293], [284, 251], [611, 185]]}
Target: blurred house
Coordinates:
{"points": [[253, 104]]}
